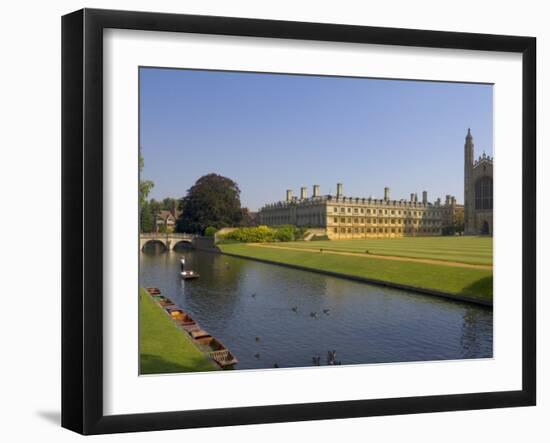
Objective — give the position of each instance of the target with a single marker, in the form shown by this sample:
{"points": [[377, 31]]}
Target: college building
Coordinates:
{"points": [[342, 217], [478, 191]]}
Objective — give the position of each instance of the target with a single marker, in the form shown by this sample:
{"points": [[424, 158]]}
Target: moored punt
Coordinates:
{"points": [[181, 317], [190, 327], [184, 319], [224, 358], [174, 312], [200, 334], [208, 344], [212, 343]]}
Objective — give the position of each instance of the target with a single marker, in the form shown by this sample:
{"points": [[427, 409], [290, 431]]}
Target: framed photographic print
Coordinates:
{"points": [[269, 221]]}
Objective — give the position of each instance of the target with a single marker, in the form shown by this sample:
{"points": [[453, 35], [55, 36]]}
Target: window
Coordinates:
{"points": [[355, 210], [335, 230], [335, 209], [355, 230], [484, 193], [355, 220], [368, 211], [342, 209], [362, 211], [349, 209], [349, 220], [349, 230]]}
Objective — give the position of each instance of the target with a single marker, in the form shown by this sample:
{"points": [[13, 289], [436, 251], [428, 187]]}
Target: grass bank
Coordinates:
{"points": [[164, 348], [469, 249], [458, 281]]}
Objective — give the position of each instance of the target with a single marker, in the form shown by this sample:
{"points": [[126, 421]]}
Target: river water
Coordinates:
{"points": [[248, 306]]}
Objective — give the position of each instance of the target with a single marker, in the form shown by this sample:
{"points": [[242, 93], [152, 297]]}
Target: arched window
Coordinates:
{"points": [[484, 193]]}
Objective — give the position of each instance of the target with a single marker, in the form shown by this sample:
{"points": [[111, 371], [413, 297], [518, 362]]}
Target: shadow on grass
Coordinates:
{"points": [[153, 364], [482, 288]]}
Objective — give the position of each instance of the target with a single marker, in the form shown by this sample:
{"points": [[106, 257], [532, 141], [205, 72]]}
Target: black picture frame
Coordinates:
{"points": [[82, 215]]}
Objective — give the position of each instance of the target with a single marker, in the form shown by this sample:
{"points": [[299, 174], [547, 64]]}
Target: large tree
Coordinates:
{"points": [[145, 186], [145, 215], [146, 219], [212, 201], [169, 204]]}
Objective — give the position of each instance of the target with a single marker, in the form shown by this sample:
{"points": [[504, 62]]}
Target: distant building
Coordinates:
{"points": [[452, 216], [354, 218], [478, 191], [167, 220], [250, 218]]}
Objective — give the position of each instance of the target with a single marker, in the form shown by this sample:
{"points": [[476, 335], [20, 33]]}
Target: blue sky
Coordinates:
{"points": [[272, 132]]}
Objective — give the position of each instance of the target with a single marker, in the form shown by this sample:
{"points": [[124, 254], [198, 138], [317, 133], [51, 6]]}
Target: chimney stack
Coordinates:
{"points": [[339, 190], [386, 193], [316, 191], [425, 197], [303, 192], [288, 195], [447, 200], [415, 197], [438, 201], [412, 197]]}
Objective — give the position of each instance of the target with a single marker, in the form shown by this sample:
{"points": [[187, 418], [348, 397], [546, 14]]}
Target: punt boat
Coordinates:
{"points": [[189, 275]]}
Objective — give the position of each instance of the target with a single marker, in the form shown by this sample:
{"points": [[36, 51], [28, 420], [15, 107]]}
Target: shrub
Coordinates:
{"points": [[210, 231], [319, 238], [285, 233], [261, 234], [252, 235]]}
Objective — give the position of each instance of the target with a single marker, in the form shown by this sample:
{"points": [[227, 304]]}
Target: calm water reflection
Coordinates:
{"points": [[364, 324]]}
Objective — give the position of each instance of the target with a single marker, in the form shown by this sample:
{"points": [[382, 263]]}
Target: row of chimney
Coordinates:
{"points": [[340, 193], [303, 192]]}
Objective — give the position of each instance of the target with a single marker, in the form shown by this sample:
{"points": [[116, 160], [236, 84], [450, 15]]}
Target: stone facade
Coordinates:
{"points": [[353, 218], [452, 213], [478, 191]]}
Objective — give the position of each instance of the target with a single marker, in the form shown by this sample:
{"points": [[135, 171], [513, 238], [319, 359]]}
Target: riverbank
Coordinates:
{"points": [[163, 347], [458, 283]]}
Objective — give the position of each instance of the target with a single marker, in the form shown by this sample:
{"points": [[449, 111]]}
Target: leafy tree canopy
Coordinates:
{"points": [[169, 204], [212, 201], [145, 186], [146, 220]]}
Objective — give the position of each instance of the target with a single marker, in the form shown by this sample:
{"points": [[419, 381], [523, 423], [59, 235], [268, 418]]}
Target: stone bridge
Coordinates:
{"points": [[168, 240]]}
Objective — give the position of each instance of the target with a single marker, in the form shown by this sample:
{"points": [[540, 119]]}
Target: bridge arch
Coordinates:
{"points": [[148, 243], [169, 241], [182, 243]]}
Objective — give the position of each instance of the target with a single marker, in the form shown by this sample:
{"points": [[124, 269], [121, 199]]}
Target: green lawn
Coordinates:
{"points": [[474, 250], [163, 346], [476, 283]]}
